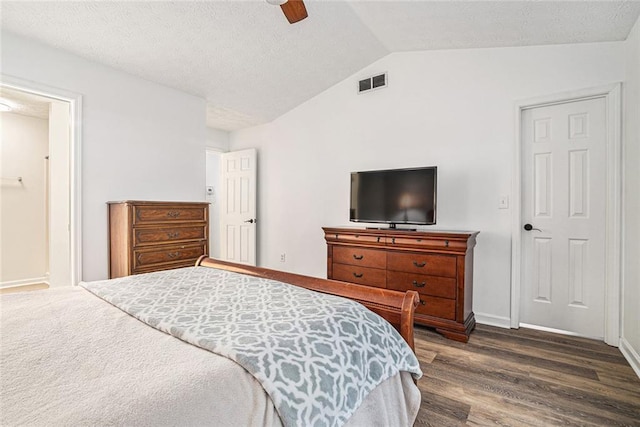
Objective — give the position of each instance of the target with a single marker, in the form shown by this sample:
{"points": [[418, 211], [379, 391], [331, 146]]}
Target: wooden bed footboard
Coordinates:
{"points": [[394, 306]]}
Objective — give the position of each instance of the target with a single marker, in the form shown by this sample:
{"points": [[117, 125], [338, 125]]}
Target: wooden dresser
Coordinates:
{"points": [[152, 236], [438, 265]]}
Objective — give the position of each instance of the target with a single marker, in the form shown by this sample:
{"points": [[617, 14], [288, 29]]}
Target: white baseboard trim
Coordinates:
{"points": [[491, 320], [631, 355], [23, 282]]}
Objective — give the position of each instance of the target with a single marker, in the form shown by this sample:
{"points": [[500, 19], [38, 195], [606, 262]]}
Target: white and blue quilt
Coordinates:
{"points": [[316, 355]]}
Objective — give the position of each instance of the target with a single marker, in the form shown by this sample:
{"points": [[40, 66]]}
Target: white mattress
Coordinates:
{"points": [[67, 357]]}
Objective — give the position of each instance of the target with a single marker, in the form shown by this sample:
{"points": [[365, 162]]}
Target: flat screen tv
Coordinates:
{"points": [[394, 196]]}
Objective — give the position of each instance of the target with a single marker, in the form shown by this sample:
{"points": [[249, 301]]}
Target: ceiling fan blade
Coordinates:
{"points": [[294, 10]]}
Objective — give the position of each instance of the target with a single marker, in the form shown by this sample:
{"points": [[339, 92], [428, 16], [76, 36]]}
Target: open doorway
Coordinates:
{"points": [[231, 179], [39, 191]]}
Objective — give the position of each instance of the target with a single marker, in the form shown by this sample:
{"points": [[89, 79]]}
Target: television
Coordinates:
{"points": [[394, 196]]}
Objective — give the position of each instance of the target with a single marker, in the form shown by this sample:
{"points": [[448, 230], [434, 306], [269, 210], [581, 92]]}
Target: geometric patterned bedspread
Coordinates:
{"points": [[316, 355]]}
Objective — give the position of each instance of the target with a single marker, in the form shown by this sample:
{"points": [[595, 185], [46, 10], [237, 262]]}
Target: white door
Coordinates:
{"points": [[238, 207], [564, 200]]}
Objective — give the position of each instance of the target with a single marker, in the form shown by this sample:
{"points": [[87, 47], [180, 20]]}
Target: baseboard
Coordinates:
{"points": [[491, 320], [23, 282], [631, 355]]}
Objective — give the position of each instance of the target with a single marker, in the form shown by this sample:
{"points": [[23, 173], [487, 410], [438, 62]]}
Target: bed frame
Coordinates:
{"points": [[396, 307]]}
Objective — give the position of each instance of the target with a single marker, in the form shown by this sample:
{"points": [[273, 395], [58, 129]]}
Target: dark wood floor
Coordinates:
{"points": [[524, 377]]}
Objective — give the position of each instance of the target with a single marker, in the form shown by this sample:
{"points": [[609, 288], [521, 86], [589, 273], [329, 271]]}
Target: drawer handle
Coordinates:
{"points": [[357, 276], [378, 239], [173, 214], [446, 243], [423, 302], [173, 235], [173, 255], [419, 264], [419, 285], [393, 240], [358, 257]]}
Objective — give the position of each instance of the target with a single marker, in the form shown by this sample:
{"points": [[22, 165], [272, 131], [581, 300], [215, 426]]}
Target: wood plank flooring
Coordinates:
{"points": [[524, 377]]}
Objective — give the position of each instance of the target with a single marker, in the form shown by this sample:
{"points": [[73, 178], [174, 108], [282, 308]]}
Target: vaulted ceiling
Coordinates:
{"points": [[252, 66]]}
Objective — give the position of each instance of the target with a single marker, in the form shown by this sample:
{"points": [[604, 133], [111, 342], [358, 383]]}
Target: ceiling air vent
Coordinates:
{"points": [[370, 83]]}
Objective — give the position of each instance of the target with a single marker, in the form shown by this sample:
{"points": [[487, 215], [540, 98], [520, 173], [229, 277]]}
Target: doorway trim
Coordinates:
{"points": [[613, 216], [75, 160]]}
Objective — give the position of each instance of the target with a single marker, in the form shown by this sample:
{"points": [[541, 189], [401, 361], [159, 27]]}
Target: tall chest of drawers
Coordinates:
{"points": [[438, 265], [147, 236]]}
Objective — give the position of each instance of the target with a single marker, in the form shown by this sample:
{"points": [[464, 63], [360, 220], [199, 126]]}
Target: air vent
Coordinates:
{"points": [[379, 81], [364, 85], [371, 83]]}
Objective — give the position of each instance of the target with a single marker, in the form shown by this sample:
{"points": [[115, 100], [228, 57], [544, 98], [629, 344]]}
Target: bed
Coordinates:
{"points": [[216, 344]]}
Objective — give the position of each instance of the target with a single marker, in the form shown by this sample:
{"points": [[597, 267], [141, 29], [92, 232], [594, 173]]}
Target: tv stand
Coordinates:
{"points": [[439, 265]]}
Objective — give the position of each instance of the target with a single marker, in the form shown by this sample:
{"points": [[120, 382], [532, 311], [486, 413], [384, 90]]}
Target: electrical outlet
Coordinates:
{"points": [[283, 257], [504, 202]]}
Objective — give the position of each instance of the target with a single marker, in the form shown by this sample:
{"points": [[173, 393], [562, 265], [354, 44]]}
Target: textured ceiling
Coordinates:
{"points": [[25, 103], [252, 66]]}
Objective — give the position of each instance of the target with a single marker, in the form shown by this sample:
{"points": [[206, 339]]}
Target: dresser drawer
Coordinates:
{"points": [[438, 307], [412, 262], [361, 275], [161, 267], [359, 256], [167, 255], [356, 238], [444, 287], [148, 236], [427, 243], [153, 214]]}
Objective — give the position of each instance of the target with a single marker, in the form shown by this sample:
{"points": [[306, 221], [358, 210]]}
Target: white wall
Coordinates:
{"points": [[23, 232], [140, 140], [218, 139], [631, 233], [451, 108]]}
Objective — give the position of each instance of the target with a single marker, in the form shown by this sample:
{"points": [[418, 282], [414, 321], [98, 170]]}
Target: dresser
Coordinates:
{"points": [[149, 236], [438, 265]]}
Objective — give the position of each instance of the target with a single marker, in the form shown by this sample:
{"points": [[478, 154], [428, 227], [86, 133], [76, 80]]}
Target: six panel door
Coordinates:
{"points": [[564, 193]]}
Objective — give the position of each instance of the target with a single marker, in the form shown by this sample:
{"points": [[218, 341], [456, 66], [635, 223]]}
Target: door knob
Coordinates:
{"points": [[251, 221], [530, 227]]}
